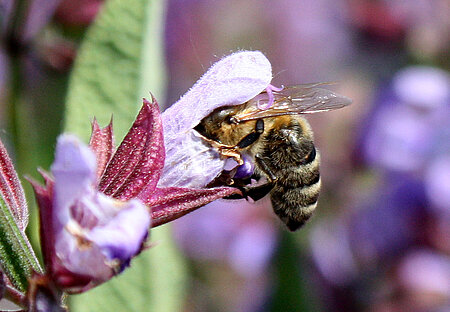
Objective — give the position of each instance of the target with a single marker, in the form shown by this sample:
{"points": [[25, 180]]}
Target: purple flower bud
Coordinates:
{"points": [[423, 272], [117, 239], [233, 80], [437, 184], [422, 86], [11, 190], [238, 232]]}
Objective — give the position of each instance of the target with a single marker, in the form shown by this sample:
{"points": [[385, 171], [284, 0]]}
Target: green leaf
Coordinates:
{"points": [[292, 291], [121, 61], [16, 256]]}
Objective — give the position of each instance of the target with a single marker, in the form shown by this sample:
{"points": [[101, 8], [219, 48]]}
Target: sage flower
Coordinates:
{"points": [[235, 79], [96, 210], [87, 236]]}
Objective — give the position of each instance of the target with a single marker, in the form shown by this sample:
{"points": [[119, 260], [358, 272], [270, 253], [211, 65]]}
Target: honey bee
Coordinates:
{"points": [[270, 139]]}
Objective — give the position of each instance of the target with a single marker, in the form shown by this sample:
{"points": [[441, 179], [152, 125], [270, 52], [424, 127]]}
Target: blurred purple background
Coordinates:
{"points": [[380, 239]]}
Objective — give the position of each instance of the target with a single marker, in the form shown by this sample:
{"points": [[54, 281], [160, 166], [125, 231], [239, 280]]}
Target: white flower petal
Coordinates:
{"points": [[95, 235], [122, 237], [74, 171]]}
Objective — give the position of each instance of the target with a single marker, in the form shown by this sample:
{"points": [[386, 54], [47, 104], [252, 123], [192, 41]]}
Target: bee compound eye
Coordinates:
{"points": [[249, 139]]}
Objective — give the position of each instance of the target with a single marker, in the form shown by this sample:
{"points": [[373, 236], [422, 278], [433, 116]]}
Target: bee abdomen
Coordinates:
{"points": [[294, 206], [294, 198], [303, 175]]}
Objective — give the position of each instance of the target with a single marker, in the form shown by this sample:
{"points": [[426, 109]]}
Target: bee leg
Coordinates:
{"points": [[252, 136], [226, 151], [258, 192], [263, 166], [255, 193], [225, 178]]}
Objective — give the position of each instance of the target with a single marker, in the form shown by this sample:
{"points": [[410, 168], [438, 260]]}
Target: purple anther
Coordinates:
{"points": [[246, 169], [269, 90]]}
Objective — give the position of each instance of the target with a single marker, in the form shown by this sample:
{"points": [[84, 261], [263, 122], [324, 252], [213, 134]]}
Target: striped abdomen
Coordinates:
{"points": [[294, 161], [294, 196]]}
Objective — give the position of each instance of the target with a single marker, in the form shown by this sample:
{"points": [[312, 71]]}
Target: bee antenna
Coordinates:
{"points": [[194, 48], [280, 72]]}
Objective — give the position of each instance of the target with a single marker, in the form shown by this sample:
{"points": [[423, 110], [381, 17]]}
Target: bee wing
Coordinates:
{"points": [[291, 100]]}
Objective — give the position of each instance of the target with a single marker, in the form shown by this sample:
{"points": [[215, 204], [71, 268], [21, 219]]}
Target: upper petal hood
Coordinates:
{"points": [[233, 80], [74, 170]]}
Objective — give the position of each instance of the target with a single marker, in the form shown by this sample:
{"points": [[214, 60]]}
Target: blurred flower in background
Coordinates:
{"points": [[393, 246], [38, 45], [422, 26], [234, 234], [410, 124], [77, 13]]}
